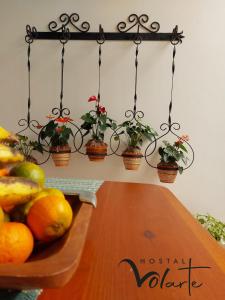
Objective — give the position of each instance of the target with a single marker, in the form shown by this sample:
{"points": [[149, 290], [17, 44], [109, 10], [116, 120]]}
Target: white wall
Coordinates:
{"points": [[199, 83]]}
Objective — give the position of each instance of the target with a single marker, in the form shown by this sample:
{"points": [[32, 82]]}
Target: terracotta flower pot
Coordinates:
{"points": [[167, 172], [61, 155], [132, 158], [96, 150]]}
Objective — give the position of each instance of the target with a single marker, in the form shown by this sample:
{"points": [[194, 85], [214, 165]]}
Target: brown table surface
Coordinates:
{"points": [[148, 226]]}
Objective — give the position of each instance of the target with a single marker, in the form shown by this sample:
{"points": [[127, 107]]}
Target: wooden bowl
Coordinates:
{"points": [[52, 265]]}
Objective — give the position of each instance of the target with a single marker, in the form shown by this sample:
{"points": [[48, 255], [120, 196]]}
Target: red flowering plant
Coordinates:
{"points": [[175, 153], [57, 131], [96, 121]]}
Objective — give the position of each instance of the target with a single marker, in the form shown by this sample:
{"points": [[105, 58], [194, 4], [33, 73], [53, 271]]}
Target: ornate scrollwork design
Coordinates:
{"points": [[31, 125], [176, 36], [45, 143], [66, 19], [140, 21], [28, 125], [79, 131], [60, 112], [134, 115], [31, 31], [168, 128]]}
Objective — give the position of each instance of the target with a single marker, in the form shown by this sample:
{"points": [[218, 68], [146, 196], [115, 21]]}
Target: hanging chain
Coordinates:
{"points": [[100, 41], [171, 94], [99, 72], [62, 79], [29, 98], [137, 42], [136, 70]]}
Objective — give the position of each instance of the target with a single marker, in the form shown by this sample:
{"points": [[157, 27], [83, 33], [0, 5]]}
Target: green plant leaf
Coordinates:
{"points": [[180, 169], [181, 146]]}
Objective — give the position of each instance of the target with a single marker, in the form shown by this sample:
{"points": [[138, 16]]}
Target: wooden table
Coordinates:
{"points": [[149, 230]]}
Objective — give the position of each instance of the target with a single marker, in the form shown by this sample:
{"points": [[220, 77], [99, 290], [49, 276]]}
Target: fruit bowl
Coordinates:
{"points": [[52, 265]]}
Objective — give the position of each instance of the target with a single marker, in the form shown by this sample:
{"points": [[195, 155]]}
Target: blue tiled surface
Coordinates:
{"points": [[75, 185]]}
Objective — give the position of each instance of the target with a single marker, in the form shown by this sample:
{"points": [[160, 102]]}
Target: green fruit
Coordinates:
{"points": [[43, 193], [54, 192], [29, 170], [6, 217]]}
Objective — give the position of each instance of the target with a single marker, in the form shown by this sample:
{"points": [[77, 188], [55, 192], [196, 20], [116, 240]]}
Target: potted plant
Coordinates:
{"points": [[215, 227], [58, 133], [136, 134], [171, 155], [26, 147], [96, 122]]}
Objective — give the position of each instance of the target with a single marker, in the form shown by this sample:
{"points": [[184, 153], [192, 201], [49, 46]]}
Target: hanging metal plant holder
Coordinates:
{"points": [[54, 136], [133, 128], [171, 154], [70, 28]]}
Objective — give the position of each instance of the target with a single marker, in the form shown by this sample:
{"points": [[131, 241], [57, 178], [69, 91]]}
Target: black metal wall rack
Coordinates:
{"points": [[136, 29], [57, 30]]}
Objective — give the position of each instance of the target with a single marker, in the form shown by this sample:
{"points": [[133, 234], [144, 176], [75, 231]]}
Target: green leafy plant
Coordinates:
{"points": [[215, 227], [57, 131], [174, 153], [26, 146], [96, 121], [136, 133]]}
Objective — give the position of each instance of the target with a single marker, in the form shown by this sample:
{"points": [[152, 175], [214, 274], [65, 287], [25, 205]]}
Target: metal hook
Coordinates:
{"points": [[138, 39], [101, 39], [176, 36], [65, 35]]}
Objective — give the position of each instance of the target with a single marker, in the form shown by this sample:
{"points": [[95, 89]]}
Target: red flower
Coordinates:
{"points": [[92, 98], [59, 130], [63, 120], [182, 139], [67, 119], [102, 109], [39, 126], [50, 117]]}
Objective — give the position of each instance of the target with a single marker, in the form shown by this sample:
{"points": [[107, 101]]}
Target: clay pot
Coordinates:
{"points": [[61, 155], [167, 172], [96, 150], [132, 158]]}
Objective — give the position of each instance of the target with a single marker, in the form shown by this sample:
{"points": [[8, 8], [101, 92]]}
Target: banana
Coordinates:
{"points": [[6, 136], [9, 155], [17, 190]]}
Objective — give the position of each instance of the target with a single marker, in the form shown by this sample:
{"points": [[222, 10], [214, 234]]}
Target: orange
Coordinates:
{"points": [[1, 215], [49, 218], [16, 242], [4, 172], [6, 217], [8, 208], [29, 170], [43, 193]]}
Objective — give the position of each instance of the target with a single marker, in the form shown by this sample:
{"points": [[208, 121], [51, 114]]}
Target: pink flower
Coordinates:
{"points": [[92, 98]]}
